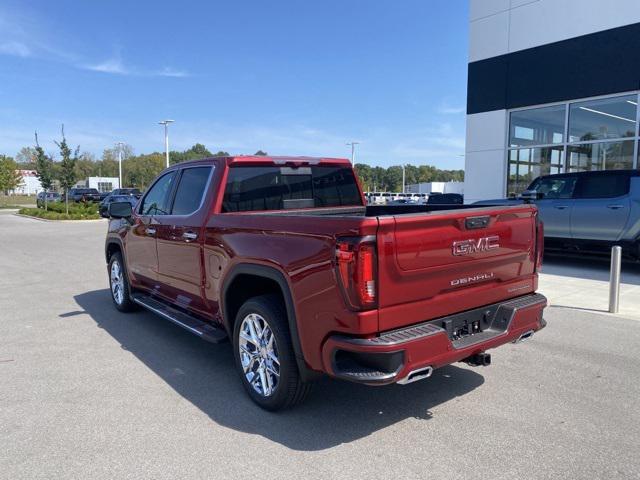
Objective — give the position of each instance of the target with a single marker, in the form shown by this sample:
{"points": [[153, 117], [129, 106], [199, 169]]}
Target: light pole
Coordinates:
{"points": [[119, 146], [166, 137], [353, 150], [403, 177]]}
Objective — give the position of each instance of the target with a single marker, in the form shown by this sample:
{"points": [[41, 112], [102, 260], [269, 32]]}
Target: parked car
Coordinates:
{"points": [[83, 195], [403, 201], [51, 198], [445, 199], [131, 192], [103, 209], [586, 211], [127, 191], [282, 257]]}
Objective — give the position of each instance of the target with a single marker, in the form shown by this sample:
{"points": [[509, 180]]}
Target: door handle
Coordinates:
{"points": [[560, 207], [188, 236], [615, 207], [150, 231]]}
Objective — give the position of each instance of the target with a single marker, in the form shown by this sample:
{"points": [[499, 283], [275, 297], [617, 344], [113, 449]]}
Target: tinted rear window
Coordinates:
{"points": [[253, 188]]}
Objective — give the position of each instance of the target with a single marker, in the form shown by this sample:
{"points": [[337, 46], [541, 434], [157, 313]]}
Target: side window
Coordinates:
{"points": [[155, 202], [555, 187], [603, 186], [191, 190]]}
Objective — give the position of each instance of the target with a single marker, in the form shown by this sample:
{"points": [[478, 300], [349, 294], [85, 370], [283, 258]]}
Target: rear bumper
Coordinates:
{"points": [[392, 356]]}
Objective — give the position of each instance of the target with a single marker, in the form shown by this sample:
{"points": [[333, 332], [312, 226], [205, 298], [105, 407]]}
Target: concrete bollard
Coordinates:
{"points": [[614, 280]]}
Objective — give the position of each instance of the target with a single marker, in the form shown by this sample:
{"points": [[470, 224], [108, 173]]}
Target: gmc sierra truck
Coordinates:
{"points": [[281, 256]]}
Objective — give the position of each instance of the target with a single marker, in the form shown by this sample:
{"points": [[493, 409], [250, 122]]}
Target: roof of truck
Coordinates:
{"points": [[277, 160]]}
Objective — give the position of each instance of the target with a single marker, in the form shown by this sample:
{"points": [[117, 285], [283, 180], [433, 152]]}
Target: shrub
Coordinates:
{"points": [[74, 208], [55, 215]]}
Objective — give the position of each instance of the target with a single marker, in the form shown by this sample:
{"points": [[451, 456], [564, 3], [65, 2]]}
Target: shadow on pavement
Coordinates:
{"points": [[588, 267], [335, 412]]}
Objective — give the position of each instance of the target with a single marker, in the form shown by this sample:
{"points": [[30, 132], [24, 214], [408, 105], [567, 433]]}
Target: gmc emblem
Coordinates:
{"points": [[468, 247]]}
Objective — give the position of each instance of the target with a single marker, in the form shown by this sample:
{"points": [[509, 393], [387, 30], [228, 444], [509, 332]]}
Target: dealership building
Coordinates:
{"points": [[553, 86]]}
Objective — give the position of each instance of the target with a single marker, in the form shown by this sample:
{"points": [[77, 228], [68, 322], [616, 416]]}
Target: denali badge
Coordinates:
{"points": [[467, 247], [474, 279]]}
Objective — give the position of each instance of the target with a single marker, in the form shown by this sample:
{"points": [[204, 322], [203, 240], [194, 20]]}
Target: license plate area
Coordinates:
{"points": [[473, 326]]}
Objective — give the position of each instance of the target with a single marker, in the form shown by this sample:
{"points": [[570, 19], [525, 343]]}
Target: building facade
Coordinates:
{"points": [[29, 185], [436, 187], [553, 86], [102, 184]]}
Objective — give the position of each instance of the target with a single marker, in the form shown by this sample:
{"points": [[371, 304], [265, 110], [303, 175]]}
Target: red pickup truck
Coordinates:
{"points": [[281, 256]]}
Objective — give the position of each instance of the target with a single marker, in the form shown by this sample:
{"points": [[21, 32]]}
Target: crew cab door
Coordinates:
{"points": [[556, 205], [602, 206], [142, 257], [180, 239]]}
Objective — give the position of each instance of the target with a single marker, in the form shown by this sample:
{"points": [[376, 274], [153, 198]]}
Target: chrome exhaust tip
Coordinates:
{"points": [[417, 374], [525, 336]]}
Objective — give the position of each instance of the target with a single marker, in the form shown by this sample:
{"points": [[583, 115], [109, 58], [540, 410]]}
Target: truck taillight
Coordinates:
{"points": [[356, 264], [539, 244]]}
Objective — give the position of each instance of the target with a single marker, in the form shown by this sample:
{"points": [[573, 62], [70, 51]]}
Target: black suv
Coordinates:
{"points": [[83, 195]]}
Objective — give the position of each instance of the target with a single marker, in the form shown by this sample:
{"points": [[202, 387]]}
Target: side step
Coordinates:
{"points": [[204, 330]]}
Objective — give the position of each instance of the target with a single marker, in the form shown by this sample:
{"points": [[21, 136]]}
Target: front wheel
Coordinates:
{"points": [[119, 284], [264, 354]]}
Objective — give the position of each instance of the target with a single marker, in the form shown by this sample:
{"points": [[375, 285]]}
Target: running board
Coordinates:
{"points": [[204, 330]]}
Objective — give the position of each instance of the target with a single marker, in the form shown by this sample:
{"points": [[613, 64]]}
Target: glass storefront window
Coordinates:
{"points": [[527, 164], [600, 156], [538, 126], [601, 134], [603, 119]]}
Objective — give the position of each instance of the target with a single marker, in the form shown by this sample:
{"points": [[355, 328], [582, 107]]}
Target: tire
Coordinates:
{"points": [[267, 354], [119, 284]]}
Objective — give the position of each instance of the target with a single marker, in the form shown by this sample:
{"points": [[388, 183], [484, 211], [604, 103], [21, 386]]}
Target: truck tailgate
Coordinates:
{"points": [[432, 264]]}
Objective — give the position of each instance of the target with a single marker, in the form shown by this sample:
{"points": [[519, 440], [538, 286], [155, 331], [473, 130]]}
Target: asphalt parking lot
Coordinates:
{"points": [[87, 392]]}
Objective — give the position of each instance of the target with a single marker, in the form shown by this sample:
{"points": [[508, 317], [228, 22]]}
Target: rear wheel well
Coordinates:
{"points": [[242, 288], [111, 249]]}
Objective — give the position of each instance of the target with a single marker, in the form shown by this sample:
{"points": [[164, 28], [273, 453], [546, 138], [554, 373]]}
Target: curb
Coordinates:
{"points": [[59, 221]]}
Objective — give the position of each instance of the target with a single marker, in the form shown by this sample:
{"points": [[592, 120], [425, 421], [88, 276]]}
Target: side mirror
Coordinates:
{"points": [[120, 210], [530, 195]]}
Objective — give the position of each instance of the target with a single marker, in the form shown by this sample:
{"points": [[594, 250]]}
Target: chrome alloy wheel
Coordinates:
{"points": [[259, 354], [117, 282]]}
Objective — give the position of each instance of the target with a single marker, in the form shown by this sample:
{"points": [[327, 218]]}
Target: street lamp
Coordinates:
{"points": [[166, 137], [353, 150], [119, 146], [403, 177]]}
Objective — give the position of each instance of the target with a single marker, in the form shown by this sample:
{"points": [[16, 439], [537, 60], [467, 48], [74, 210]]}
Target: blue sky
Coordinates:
{"points": [[285, 76]]}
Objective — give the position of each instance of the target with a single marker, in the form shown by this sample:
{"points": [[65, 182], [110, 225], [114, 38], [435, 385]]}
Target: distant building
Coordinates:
{"points": [[30, 185], [102, 184], [436, 187]]}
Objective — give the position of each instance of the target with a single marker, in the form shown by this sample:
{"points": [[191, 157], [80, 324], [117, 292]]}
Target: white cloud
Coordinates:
{"points": [[25, 34], [113, 65], [170, 72], [451, 110], [14, 48]]}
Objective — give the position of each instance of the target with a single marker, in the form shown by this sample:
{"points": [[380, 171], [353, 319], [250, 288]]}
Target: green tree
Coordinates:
{"points": [[196, 152], [365, 175], [26, 157], [10, 177], [139, 171], [68, 175], [260, 153], [44, 170]]}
